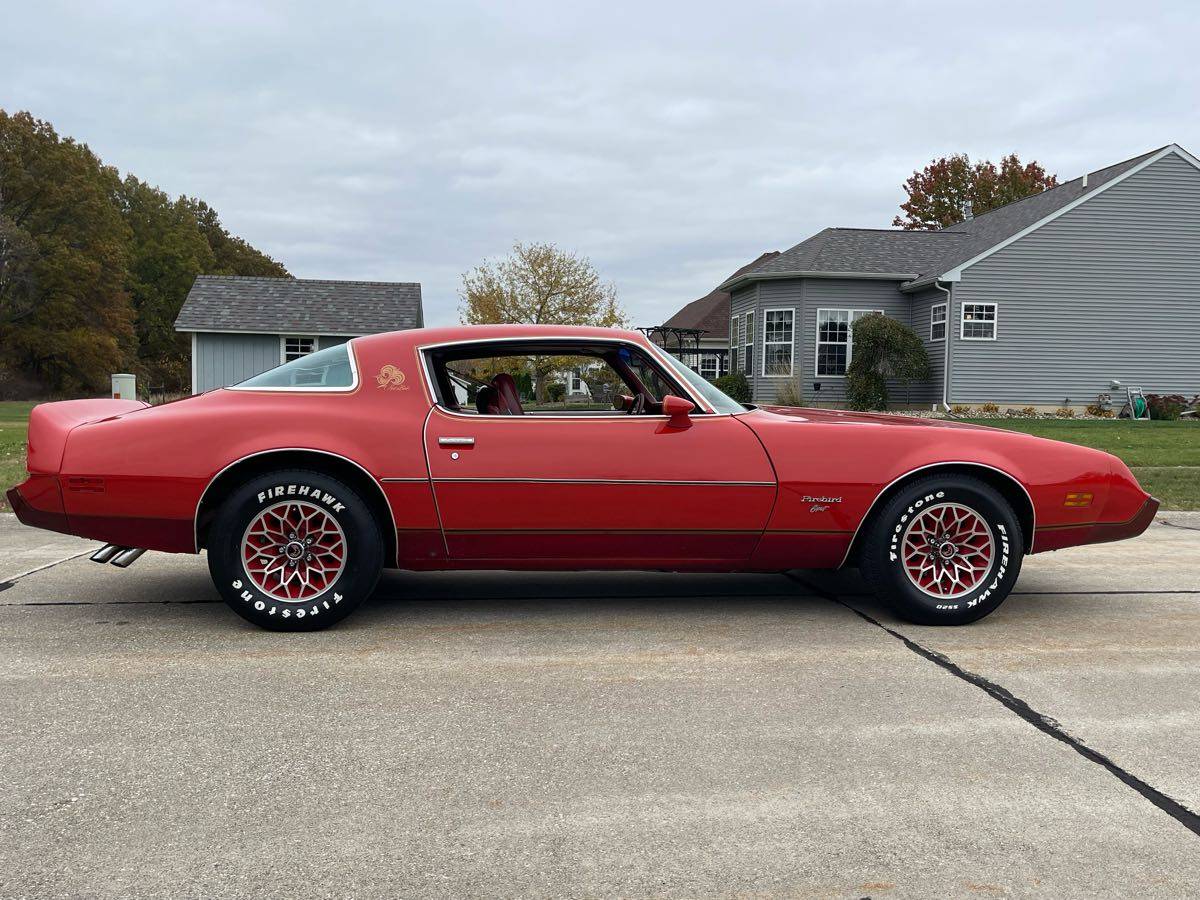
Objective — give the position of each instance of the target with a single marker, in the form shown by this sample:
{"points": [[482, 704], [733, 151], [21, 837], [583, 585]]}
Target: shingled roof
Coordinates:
{"points": [[920, 257], [299, 306], [710, 313], [874, 251]]}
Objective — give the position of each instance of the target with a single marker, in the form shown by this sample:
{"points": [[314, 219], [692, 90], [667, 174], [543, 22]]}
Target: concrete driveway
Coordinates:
{"points": [[602, 734]]}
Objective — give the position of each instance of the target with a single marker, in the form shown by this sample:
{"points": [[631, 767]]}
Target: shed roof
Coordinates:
{"points": [[299, 306]]}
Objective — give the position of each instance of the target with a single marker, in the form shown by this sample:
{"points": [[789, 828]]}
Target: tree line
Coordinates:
{"points": [[94, 267]]}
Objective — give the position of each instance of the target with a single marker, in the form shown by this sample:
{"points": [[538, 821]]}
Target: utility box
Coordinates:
{"points": [[124, 387]]}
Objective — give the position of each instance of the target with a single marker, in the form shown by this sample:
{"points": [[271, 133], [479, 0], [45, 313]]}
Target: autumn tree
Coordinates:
{"points": [[940, 194], [94, 268], [539, 284], [65, 317]]}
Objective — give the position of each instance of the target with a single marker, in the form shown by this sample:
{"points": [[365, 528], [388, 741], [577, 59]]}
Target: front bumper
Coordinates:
{"points": [[1058, 537]]}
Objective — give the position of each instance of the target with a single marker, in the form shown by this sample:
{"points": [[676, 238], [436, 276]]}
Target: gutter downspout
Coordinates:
{"points": [[946, 363]]}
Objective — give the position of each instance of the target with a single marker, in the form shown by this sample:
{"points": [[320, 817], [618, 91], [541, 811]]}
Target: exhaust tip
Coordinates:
{"points": [[126, 557], [107, 552]]}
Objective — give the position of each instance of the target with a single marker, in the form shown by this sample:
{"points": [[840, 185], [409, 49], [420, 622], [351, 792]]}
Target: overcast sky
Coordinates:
{"points": [[669, 143]]}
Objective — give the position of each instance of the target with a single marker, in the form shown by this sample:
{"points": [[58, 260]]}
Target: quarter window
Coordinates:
{"points": [[297, 347], [778, 330], [326, 370], [978, 322], [835, 339], [937, 322]]}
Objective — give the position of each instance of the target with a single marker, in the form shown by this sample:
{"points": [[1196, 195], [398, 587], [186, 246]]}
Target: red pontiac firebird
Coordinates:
{"points": [[429, 449]]}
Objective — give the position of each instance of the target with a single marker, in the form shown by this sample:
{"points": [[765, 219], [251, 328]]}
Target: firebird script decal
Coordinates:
{"points": [[391, 379], [820, 504]]}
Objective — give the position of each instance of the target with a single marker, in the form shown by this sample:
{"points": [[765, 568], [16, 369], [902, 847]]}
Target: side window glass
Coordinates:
{"points": [[537, 383], [575, 381]]}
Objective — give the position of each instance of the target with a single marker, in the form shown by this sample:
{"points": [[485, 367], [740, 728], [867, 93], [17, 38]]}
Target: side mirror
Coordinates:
{"points": [[678, 410]]}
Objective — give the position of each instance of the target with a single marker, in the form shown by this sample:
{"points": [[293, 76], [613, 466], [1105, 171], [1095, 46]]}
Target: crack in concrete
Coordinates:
{"points": [[1047, 725]]}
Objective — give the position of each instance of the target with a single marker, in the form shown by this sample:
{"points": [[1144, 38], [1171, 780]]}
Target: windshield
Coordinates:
{"points": [[720, 401], [326, 370]]}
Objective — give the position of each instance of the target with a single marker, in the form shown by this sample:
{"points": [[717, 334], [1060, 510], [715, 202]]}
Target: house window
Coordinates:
{"points": [[710, 366], [778, 328], [733, 344], [835, 339], [748, 345], [978, 322], [937, 322], [296, 347]]}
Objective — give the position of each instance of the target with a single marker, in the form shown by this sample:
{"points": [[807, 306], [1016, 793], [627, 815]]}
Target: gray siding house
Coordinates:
{"points": [[1042, 302], [241, 326]]}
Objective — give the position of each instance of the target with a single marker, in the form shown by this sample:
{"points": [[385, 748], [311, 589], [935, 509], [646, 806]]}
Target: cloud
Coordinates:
{"points": [[670, 144]]}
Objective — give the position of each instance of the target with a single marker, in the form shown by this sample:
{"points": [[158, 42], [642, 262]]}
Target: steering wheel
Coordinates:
{"points": [[638, 406]]}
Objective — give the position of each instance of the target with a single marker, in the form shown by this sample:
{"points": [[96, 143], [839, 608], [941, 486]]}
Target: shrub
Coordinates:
{"points": [[1065, 412], [1166, 407], [735, 385], [884, 350], [555, 391], [1029, 412], [989, 409], [1103, 412], [957, 410], [789, 393]]}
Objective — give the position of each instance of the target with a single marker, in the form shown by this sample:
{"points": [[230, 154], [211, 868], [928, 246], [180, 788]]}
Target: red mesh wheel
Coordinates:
{"points": [[294, 551], [947, 550]]}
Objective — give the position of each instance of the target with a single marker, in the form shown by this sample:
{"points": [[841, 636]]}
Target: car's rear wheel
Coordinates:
{"points": [[945, 550], [295, 551]]}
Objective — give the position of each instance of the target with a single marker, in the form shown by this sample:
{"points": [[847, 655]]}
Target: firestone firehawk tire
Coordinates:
{"points": [[295, 551], [945, 550]]}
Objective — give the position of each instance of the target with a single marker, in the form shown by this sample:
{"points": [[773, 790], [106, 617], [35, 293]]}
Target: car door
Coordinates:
{"points": [[611, 490]]}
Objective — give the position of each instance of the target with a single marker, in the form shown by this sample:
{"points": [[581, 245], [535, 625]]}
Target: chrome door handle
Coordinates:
{"points": [[456, 442]]}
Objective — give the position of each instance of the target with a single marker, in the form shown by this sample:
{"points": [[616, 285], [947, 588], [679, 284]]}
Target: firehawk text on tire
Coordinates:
{"points": [[295, 551], [945, 550]]}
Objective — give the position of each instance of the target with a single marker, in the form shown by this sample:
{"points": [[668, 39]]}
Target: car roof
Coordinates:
{"points": [[456, 333]]}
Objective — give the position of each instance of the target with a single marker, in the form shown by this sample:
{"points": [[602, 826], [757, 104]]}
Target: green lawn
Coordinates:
{"points": [[1165, 456], [14, 422]]}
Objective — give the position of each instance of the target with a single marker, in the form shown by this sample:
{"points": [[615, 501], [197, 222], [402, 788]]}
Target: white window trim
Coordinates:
{"points": [[283, 339], [962, 321], [792, 365], [945, 323], [751, 321], [849, 336], [734, 345]]}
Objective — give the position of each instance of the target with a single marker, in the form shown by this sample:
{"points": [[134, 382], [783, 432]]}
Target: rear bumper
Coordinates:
{"points": [[38, 503], [1056, 538]]}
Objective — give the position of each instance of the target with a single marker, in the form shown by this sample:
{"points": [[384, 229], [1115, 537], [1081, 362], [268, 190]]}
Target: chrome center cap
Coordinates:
{"points": [[294, 550], [947, 550]]}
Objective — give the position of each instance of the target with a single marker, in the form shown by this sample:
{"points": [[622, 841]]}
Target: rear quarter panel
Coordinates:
{"points": [[154, 464]]}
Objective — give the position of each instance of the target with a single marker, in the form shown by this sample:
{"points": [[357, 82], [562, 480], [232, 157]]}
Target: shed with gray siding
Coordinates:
{"points": [[241, 326], [1041, 302]]}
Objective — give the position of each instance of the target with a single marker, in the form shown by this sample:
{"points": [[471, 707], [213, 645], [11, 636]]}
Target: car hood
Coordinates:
{"points": [[835, 416]]}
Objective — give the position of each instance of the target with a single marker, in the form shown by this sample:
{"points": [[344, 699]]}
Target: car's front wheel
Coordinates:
{"points": [[294, 551], [945, 550]]}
